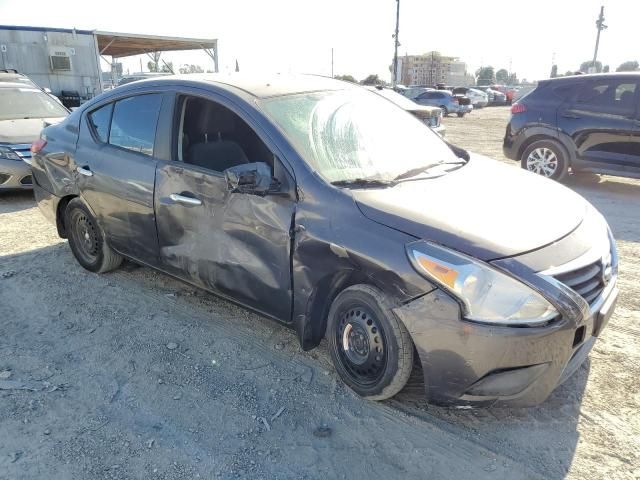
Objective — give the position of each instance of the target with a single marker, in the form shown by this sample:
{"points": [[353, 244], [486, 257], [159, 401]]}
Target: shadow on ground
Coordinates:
{"points": [[15, 201]]}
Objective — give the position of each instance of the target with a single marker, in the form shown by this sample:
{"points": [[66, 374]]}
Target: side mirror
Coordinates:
{"points": [[252, 178]]}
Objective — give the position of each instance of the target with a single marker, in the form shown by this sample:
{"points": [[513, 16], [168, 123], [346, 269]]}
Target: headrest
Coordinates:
{"points": [[213, 119]]}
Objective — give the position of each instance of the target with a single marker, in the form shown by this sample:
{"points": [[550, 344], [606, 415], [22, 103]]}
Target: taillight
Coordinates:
{"points": [[38, 145], [518, 108]]}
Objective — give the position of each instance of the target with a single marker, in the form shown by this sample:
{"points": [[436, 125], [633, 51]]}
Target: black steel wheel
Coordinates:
{"points": [[363, 351], [85, 236], [370, 347], [86, 240]]}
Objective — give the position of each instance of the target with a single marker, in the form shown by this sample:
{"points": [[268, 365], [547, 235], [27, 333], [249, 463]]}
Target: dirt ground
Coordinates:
{"points": [[135, 375]]}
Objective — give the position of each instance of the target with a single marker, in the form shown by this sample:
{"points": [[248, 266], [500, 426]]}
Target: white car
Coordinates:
{"points": [[478, 98]]}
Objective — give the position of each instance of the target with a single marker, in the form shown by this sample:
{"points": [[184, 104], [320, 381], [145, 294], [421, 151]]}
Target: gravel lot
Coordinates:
{"points": [[135, 375]]}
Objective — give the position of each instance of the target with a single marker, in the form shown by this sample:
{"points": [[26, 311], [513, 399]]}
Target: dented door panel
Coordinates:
{"points": [[234, 244]]}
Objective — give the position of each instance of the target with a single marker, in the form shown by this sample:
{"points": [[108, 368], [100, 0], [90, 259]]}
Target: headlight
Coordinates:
{"points": [[7, 154], [487, 295]]}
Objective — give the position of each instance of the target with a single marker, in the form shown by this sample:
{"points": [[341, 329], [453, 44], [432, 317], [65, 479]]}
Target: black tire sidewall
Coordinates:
{"points": [[346, 301], [559, 152], [79, 205], [445, 112]]}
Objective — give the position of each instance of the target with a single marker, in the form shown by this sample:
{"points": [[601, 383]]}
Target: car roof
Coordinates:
{"points": [[261, 86], [593, 75]]}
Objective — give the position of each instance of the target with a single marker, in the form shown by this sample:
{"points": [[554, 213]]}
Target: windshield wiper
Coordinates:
{"points": [[418, 170], [363, 182]]}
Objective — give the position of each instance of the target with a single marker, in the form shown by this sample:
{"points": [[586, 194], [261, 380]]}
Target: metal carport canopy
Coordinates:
{"points": [[128, 44]]}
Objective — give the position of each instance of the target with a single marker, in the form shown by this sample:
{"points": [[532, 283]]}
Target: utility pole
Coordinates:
{"points": [[331, 62], [396, 45], [600, 26]]}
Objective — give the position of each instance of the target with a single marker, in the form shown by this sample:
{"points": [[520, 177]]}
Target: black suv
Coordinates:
{"points": [[589, 123]]}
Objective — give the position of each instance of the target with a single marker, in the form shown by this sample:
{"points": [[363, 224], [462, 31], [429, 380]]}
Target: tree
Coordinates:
{"points": [[191, 69], [154, 64], [502, 76], [512, 79], [167, 68], [568, 73], [630, 66], [485, 76], [346, 78], [554, 71], [372, 80], [605, 69], [585, 66]]}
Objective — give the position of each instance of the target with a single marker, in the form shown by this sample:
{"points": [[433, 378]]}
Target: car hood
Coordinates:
{"points": [[485, 209], [24, 130]]}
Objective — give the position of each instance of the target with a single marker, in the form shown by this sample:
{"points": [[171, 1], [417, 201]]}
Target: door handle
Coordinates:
{"points": [[86, 171], [177, 198], [570, 115]]}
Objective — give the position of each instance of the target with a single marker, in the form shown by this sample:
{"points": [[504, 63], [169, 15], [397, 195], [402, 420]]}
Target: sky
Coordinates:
{"points": [[298, 35]]}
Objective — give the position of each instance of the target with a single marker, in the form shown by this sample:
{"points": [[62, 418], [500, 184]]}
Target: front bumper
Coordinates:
{"points": [[15, 175], [467, 363]]}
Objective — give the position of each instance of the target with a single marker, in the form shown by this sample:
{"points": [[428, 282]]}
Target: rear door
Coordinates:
{"points": [[116, 171], [234, 244], [601, 121]]}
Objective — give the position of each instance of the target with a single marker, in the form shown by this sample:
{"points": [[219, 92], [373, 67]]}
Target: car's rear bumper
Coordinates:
{"points": [[15, 175], [512, 144], [466, 363]]}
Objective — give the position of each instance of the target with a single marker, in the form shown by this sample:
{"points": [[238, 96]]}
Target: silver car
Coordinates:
{"points": [[24, 111]]}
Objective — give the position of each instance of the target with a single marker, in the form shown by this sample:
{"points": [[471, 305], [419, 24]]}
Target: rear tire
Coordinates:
{"points": [[460, 114], [370, 347], [87, 240], [547, 158]]}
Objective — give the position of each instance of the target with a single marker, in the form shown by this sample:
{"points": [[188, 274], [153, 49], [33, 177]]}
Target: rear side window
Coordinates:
{"points": [[134, 123], [610, 95], [100, 120]]}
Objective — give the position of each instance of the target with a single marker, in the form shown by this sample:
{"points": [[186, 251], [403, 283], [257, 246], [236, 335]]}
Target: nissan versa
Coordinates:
{"points": [[325, 206]]}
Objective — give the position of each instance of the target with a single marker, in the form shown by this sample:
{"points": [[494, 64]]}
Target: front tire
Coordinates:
{"points": [[370, 347], [445, 112], [546, 158], [86, 239]]}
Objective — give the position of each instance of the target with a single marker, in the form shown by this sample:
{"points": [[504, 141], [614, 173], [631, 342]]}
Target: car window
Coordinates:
{"points": [[100, 120], [134, 123], [615, 96], [213, 137], [564, 91]]}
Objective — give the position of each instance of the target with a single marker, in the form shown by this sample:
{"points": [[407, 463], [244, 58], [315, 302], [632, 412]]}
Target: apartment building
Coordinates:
{"points": [[432, 68]]}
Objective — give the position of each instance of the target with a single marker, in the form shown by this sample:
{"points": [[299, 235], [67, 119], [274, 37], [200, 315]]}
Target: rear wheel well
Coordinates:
{"points": [[536, 138], [62, 206]]}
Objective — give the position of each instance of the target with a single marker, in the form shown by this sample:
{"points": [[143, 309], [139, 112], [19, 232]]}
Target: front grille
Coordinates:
{"points": [[588, 281], [26, 180], [23, 150]]}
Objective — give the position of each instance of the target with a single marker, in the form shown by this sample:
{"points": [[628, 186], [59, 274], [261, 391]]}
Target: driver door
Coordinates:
{"points": [[234, 244]]}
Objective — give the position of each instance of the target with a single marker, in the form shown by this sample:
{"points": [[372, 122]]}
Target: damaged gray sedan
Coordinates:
{"points": [[326, 207]]}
